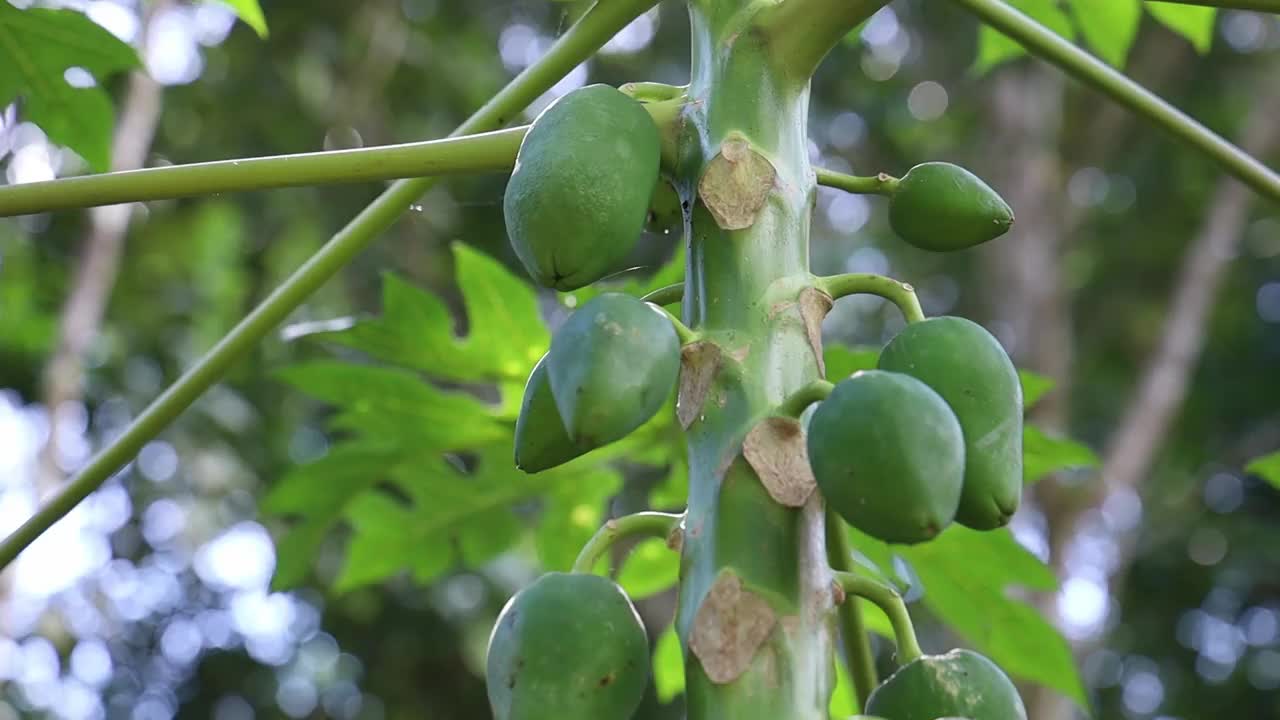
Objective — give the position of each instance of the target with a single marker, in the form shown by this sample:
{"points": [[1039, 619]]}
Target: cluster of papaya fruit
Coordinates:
{"points": [[930, 437]]}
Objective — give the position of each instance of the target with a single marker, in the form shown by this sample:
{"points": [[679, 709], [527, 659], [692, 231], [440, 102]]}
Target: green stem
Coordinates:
{"points": [[686, 335], [1093, 72], [881, 184], [600, 23], [889, 601], [1271, 6], [669, 295], [802, 32], [486, 152], [653, 91], [853, 630], [899, 293], [645, 524], [798, 401]]}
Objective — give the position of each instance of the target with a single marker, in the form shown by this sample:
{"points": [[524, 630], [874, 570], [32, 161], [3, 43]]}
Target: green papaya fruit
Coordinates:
{"points": [[943, 207], [966, 365], [961, 683], [578, 198], [666, 211], [612, 365], [888, 455], [541, 440], [567, 646]]}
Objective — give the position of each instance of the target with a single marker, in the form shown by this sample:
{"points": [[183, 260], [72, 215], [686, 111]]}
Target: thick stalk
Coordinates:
{"points": [[1082, 66], [756, 601], [595, 28]]}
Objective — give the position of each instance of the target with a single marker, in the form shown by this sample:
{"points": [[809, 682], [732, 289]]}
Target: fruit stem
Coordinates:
{"points": [[580, 41], [882, 184], [645, 524], [653, 91], [486, 152], [798, 401], [686, 335], [891, 603], [1052, 47], [853, 631], [899, 293], [669, 295]]}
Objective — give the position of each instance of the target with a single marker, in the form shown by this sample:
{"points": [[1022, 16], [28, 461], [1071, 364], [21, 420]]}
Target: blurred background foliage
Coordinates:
{"points": [[202, 581]]}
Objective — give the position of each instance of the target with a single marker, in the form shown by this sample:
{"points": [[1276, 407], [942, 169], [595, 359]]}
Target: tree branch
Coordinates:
{"points": [[802, 32], [1050, 46]]}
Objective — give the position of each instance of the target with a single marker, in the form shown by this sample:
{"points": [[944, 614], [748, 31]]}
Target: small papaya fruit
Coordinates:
{"points": [[888, 455], [567, 646], [541, 440], [666, 211], [577, 200], [943, 207], [961, 683], [612, 365], [966, 365]]}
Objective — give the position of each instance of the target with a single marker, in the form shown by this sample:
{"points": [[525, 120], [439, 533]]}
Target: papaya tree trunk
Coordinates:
{"points": [[756, 600]]}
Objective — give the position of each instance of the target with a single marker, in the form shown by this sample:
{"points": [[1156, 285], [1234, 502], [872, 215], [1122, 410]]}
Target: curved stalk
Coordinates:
{"points": [[686, 335], [802, 32], [486, 152], [800, 400], [888, 600], [601, 22], [853, 630], [899, 293], [645, 524], [669, 295], [882, 184], [1050, 46]]}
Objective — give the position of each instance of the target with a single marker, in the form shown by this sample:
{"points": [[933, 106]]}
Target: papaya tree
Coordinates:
{"points": [[797, 475]]}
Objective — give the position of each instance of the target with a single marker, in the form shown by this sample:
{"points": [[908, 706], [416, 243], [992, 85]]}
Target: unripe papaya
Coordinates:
{"points": [[943, 207], [578, 197], [567, 646], [966, 365], [961, 683], [541, 440], [612, 365], [888, 455]]}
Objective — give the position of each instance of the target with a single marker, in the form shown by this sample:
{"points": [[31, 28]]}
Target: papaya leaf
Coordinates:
{"points": [[994, 48], [1267, 467], [1043, 454], [251, 13], [650, 568], [967, 578], [844, 701], [1034, 387], [668, 665], [843, 361], [1193, 22], [1108, 26], [37, 48], [505, 338]]}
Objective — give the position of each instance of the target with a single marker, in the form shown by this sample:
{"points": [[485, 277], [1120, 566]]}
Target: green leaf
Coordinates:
{"points": [[995, 48], [251, 13], [668, 665], [967, 577], [1043, 454], [37, 47], [1192, 22], [650, 568], [843, 361], [505, 338], [1034, 387], [1267, 467], [844, 701], [1109, 26]]}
